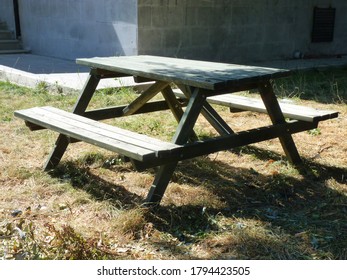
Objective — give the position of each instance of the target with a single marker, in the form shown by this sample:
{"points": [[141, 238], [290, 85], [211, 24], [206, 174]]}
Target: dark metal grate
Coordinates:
{"points": [[323, 25]]}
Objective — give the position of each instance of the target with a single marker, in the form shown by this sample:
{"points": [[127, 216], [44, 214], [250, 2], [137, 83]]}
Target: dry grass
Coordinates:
{"points": [[248, 203]]}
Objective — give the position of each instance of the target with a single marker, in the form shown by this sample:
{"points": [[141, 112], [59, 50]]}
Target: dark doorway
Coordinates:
{"points": [[16, 18]]}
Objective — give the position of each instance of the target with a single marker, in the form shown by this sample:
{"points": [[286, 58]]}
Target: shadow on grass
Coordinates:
{"points": [[301, 218], [82, 178]]}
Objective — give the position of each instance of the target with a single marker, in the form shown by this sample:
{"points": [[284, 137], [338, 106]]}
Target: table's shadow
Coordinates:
{"points": [[282, 201]]}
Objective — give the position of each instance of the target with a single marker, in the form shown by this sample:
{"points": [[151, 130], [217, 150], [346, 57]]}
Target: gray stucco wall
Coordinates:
{"points": [[79, 28], [235, 30]]}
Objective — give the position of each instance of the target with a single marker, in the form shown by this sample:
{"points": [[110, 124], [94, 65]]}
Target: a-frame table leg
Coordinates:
{"points": [[276, 116], [183, 132], [81, 105], [210, 115]]}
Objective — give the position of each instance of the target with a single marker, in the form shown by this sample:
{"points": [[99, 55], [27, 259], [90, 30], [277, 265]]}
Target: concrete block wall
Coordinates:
{"points": [[235, 30], [79, 28], [217, 30]]}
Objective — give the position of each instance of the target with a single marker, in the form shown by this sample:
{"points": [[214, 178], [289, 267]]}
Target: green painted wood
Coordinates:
{"points": [[117, 111], [87, 93], [188, 120], [203, 79], [173, 103], [239, 139], [176, 108], [105, 129], [202, 74], [92, 131], [130, 144], [183, 132], [291, 111], [226, 142], [210, 115], [274, 111], [144, 98], [82, 103], [160, 183]]}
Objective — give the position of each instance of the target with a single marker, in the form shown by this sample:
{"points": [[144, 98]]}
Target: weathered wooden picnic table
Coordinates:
{"points": [[200, 84]]}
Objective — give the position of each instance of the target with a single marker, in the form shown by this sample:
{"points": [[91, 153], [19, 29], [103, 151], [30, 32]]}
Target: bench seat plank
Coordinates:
{"points": [[292, 111], [134, 145]]}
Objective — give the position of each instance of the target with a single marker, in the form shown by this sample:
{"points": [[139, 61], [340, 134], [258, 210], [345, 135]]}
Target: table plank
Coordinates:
{"points": [[202, 74]]}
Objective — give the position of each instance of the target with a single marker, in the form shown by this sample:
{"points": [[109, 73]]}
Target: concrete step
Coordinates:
{"points": [[10, 45], [14, 51], [6, 35], [3, 25]]}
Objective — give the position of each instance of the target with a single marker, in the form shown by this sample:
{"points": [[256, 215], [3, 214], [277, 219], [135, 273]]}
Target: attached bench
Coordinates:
{"points": [[130, 144], [291, 111], [145, 151]]}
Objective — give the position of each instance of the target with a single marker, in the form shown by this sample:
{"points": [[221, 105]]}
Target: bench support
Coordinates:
{"points": [[144, 97], [184, 130], [276, 116], [80, 107]]}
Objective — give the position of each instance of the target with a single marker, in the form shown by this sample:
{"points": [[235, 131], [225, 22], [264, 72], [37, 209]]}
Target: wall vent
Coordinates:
{"points": [[323, 24]]}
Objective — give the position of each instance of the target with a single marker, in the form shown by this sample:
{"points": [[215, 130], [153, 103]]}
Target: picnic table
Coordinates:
{"points": [[189, 88]]}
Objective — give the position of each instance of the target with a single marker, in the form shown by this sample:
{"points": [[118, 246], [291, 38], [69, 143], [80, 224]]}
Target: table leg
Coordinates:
{"points": [[176, 108], [210, 115], [81, 105], [184, 130], [276, 116]]}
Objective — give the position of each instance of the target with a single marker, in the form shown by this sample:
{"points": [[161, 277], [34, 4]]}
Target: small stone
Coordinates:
{"points": [[16, 213], [62, 206]]}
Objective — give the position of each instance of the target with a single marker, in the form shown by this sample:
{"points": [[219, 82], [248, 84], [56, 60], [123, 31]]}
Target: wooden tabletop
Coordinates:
{"points": [[202, 74]]}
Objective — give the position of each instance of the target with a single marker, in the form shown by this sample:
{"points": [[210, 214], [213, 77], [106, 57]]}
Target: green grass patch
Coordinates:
{"points": [[324, 86]]}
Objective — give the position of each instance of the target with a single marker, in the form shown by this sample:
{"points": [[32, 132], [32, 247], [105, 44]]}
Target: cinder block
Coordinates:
{"points": [[145, 17], [200, 36]]}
